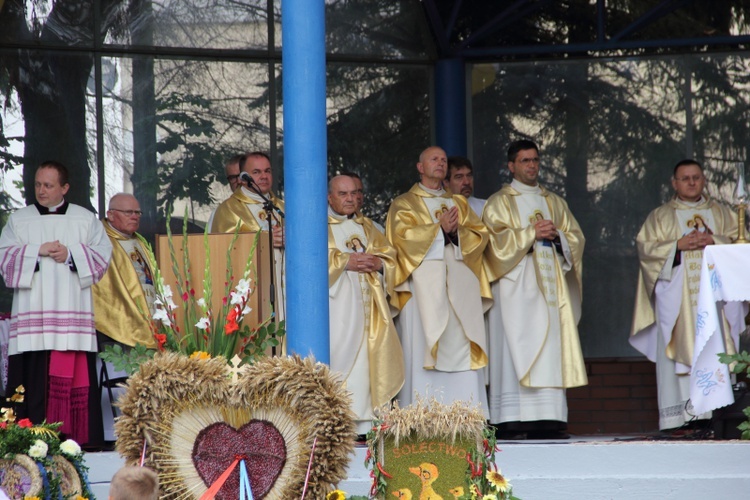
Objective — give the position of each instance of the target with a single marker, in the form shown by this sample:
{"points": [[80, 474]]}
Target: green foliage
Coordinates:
{"points": [[740, 364], [741, 361], [189, 157], [257, 340], [127, 360], [22, 437]]}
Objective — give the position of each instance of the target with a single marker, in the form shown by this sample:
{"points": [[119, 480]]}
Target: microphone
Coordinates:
{"points": [[244, 176]]}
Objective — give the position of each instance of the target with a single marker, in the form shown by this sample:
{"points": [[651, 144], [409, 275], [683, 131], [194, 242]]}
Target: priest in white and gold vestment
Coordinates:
{"points": [[442, 288], [365, 347], [670, 249], [246, 207], [534, 263], [124, 297]]}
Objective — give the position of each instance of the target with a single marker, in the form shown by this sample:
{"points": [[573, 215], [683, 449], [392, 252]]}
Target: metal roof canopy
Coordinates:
{"points": [[487, 30]]}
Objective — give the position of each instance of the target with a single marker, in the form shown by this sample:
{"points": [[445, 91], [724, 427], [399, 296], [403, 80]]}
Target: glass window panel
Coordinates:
{"points": [[383, 28], [196, 24], [647, 21], [46, 22], [610, 133], [171, 125], [378, 123]]}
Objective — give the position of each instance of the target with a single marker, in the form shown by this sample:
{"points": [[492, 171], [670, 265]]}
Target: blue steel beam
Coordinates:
{"points": [[450, 106], [305, 176], [438, 30], [606, 48], [453, 18], [507, 16]]}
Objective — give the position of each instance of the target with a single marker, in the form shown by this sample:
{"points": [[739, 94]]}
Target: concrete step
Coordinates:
{"points": [[590, 468]]}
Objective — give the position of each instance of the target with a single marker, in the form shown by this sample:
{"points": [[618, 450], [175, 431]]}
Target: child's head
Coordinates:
{"points": [[134, 482]]}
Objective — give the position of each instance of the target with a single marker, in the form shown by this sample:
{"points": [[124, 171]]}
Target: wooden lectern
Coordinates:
{"points": [[217, 247]]}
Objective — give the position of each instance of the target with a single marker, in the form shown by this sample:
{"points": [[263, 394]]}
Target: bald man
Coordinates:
{"points": [[441, 287], [124, 298]]}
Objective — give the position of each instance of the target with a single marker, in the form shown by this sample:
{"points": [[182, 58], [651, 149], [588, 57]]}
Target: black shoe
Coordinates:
{"points": [[510, 435], [548, 435]]}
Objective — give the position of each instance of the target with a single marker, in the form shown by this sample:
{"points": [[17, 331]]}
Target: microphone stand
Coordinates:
{"points": [[269, 208]]}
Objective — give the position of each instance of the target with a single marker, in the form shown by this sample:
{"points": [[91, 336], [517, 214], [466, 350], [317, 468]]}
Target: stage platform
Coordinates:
{"points": [[579, 468]]}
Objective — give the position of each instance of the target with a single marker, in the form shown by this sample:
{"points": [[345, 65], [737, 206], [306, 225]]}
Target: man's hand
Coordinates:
{"points": [[694, 240], [545, 230], [279, 237], [364, 263], [54, 249], [449, 220]]}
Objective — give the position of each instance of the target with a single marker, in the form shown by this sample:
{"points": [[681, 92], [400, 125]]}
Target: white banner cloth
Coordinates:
{"points": [[725, 282]]}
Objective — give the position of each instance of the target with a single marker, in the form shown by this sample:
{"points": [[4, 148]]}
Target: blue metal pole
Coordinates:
{"points": [[450, 106], [305, 176]]}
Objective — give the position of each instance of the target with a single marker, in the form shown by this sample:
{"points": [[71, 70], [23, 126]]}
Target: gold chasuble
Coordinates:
{"points": [[531, 282], [235, 208], [412, 229], [657, 248], [367, 323], [121, 309]]}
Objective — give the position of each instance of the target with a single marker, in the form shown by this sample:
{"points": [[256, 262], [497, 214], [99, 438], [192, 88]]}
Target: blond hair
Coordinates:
{"points": [[134, 482]]}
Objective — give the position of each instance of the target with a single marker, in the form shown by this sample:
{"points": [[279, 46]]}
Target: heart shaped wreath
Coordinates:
{"points": [[196, 425]]}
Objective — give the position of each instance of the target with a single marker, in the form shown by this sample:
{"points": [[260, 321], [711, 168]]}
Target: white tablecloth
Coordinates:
{"points": [[4, 339], [725, 282]]}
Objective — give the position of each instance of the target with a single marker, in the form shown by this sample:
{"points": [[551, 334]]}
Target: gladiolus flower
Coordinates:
{"points": [[25, 422], [237, 298], [161, 339], [161, 315], [203, 324], [231, 324], [243, 286]]}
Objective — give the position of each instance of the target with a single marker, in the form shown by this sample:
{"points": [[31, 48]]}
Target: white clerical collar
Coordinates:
{"points": [[434, 192], [691, 204], [524, 188], [253, 195], [338, 216], [54, 209], [128, 236]]}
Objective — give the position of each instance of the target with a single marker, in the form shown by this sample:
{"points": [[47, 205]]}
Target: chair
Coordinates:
{"points": [[105, 382]]}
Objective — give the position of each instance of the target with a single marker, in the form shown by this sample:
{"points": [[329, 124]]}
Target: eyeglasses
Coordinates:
{"points": [[526, 161], [231, 178], [687, 178], [129, 213]]}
